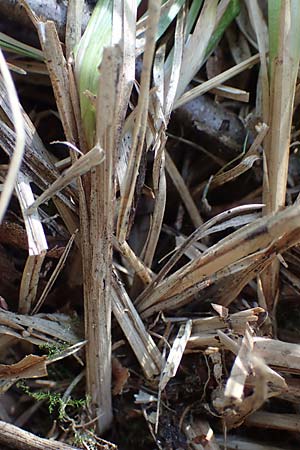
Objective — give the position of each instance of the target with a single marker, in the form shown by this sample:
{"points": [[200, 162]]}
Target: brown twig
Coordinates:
{"points": [[20, 439]]}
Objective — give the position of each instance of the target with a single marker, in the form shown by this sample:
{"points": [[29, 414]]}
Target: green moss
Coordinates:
{"points": [[56, 403], [53, 349]]}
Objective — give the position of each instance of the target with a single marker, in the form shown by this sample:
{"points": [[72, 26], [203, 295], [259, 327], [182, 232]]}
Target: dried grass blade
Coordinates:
{"points": [[247, 240], [228, 342], [19, 146], [37, 166], [158, 173], [37, 243], [192, 252], [261, 31], [70, 219], [29, 283], [81, 166], [54, 275], [139, 339], [123, 34], [236, 275], [240, 370], [97, 256], [174, 358], [275, 380], [37, 246], [216, 81], [124, 152], [183, 191], [74, 94], [139, 131], [73, 26], [235, 411], [231, 93], [284, 70], [201, 232], [194, 52], [65, 352], [171, 83], [246, 163], [138, 266], [38, 329], [239, 244], [58, 72]]}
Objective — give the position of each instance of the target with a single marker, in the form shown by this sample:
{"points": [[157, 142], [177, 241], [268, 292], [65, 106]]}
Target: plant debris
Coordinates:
{"points": [[150, 225]]}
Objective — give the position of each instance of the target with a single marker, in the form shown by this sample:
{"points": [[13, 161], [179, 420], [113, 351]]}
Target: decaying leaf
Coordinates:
{"points": [[120, 376], [31, 366], [185, 224]]}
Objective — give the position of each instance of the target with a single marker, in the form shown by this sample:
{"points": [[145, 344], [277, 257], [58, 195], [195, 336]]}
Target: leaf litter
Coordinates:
{"points": [[165, 299]]}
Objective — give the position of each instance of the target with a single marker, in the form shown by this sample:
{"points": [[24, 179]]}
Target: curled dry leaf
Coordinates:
{"points": [[31, 366]]}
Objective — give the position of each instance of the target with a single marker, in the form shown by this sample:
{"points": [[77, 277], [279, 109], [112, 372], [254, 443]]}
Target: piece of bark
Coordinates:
{"points": [[20, 439]]}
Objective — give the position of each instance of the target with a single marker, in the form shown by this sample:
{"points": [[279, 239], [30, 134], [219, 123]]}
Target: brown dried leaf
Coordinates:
{"points": [[32, 366], [120, 376]]}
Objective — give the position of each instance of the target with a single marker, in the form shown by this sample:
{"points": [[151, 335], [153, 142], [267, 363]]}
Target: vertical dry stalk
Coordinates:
{"points": [[73, 25], [96, 216], [97, 260], [283, 76]]}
